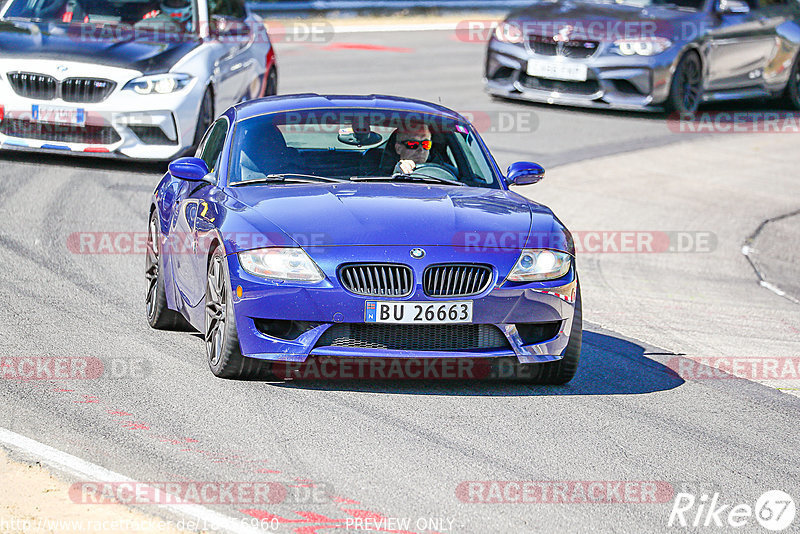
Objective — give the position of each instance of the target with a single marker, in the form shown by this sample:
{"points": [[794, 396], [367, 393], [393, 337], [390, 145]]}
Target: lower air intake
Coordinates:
{"points": [[415, 337]]}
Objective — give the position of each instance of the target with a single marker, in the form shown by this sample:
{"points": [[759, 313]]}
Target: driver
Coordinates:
{"points": [[177, 11], [413, 144]]}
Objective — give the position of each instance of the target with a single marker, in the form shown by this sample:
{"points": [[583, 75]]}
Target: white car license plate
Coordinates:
{"points": [[555, 70], [418, 312], [58, 115]]}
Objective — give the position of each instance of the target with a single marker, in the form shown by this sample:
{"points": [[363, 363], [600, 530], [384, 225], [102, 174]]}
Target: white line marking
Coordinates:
{"points": [[748, 251], [778, 291], [82, 469]]}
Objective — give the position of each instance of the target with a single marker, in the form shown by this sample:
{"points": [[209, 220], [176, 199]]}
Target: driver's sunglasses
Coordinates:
{"points": [[414, 145]]}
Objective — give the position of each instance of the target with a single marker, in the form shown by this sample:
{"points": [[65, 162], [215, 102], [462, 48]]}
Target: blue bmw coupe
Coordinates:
{"points": [[314, 227]]}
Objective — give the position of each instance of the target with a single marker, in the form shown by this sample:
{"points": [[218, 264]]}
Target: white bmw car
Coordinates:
{"points": [[129, 78]]}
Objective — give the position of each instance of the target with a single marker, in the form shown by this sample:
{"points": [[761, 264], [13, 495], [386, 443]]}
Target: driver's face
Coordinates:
{"points": [[414, 138]]}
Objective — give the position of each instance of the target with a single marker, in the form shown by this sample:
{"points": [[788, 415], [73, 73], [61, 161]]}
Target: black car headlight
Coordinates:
{"points": [[537, 265]]}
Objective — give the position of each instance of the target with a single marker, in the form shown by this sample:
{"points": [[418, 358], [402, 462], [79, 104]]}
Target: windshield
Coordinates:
{"points": [[688, 4], [356, 144], [163, 15]]}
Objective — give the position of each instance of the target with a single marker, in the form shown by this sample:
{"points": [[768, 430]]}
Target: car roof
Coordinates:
{"points": [[277, 104]]}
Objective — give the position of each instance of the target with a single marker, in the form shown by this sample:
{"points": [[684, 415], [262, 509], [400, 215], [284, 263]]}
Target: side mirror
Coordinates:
{"points": [[733, 7], [524, 173], [189, 169]]}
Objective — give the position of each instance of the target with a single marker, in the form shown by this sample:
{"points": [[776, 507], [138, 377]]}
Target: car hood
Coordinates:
{"points": [[402, 214], [88, 43], [552, 16]]}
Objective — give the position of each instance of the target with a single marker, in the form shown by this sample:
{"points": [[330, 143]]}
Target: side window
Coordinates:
{"points": [[212, 150], [228, 9], [766, 4], [227, 18]]}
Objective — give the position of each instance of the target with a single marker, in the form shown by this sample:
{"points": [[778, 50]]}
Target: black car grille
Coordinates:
{"points": [[90, 135], [43, 87], [546, 46], [456, 280], [89, 90], [36, 86], [463, 337], [377, 279], [589, 87]]}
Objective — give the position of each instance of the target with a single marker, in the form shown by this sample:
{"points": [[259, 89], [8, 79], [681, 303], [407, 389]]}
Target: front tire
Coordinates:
{"points": [[266, 85], [686, 89], [272, 83], [204, 117], [159, 316], [792, 94], [223, 351], [561, 371]]}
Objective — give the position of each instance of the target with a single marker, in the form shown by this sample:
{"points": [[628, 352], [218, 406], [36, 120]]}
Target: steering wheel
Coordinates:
{"points": [[436, 170]]}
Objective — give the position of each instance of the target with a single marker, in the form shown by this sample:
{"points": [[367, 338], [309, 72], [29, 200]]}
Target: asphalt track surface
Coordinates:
{"points": [[401, 450]]}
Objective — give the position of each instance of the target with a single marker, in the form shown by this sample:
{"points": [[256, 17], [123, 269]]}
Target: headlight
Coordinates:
{"points": [[160, 84], [281, 264], [509, 33], [642, 47], [536, 265]]}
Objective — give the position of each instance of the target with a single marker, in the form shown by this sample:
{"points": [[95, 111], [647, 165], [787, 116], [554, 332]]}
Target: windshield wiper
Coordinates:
{"points": [[287, 177], [398, 177]]}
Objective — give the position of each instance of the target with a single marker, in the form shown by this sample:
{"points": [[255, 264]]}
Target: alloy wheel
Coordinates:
{"points": [[216, 310], [690, 84], [151, 271]]}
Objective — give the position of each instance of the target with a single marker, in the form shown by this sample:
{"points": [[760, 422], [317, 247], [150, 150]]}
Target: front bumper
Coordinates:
{"points": [[503, 309], [126, 124], [613, 82]]}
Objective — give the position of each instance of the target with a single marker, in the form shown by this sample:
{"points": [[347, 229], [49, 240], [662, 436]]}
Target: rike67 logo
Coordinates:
{"points": [[774, 510]]}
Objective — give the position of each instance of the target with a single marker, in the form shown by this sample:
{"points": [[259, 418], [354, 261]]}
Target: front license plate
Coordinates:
{"points": [[575, 72], [418, 312], [58, 115]]}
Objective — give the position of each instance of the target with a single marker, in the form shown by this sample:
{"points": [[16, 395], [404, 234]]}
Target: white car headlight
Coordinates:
{"points": [[159, 84], [642, 47], [536, 265], [281, 264], [509, 33]]}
